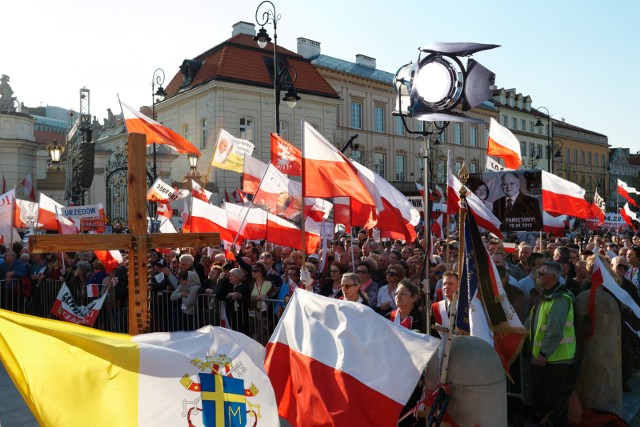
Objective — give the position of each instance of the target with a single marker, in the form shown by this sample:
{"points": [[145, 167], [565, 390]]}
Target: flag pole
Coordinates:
{"points": [[303, 217]]}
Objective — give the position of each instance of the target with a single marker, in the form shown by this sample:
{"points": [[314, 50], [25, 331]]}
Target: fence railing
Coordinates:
{"points": [[255, 320]]}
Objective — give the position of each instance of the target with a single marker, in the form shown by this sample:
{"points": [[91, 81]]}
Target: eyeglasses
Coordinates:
{"points": [[401, 293], [391, 273], [362, 271], [255, 270], [347, 285]]}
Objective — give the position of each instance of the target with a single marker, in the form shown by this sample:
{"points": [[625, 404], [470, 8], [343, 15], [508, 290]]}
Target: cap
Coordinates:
{"points": [[161, 263], [314, 256]]}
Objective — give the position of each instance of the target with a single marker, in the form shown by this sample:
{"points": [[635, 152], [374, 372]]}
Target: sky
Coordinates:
{"points": [[576, 58]]}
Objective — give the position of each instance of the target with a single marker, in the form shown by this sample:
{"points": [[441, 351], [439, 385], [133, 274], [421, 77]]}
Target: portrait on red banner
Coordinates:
{"points": [[514, 197]]}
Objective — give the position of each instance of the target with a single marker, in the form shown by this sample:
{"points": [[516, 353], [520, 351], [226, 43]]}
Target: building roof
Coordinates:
{"points": [[565, 125], [352, 68], [240, 60]]}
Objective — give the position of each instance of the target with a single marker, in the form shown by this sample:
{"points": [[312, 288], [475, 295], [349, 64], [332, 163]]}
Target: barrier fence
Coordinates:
{"points": [[256, 320]]}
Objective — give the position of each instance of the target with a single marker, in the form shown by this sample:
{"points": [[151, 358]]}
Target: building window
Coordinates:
{"points": [[338, 115], [356, 155], [399, 126], [505, 121], [380, 163], [473, 167], [523, 148], [582, 157], [356, 115], [441, 170], [441, 136], [456, 167], [575, 156], [457, 136], [284, 130], [589, 159], [401, 167], [203, 133], [597, 160], [532, 149], [246, 128], [473, 136], [523, 124], [532, 127], [514, 123], [185, 131], [379, 119]]}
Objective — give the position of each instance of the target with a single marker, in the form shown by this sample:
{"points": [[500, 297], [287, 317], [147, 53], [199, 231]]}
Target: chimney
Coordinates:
{"points": [[243, 28], [308, 48], [365, 61]]}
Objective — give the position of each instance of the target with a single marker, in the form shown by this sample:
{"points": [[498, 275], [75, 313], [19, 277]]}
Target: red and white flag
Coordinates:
{"points": [[199, 192], [26, 214], [554, 224], [164, 214], [285, 156], [503, 144], [328, 173], [625, 191], [628, 215], [66, 225], [28, 187], [161, 192], [239, 196], [7, 211], [136, 122], [305, 368], [562, 197], [258, 224], [252, 173], [602, 277], [110, 259], [47, 208], [93, 290], [66, 309], [186, 217], [395, 211], [207, 218]]}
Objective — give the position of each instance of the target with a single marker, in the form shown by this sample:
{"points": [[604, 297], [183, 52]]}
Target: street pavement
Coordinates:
{"points": [[15, 413]]}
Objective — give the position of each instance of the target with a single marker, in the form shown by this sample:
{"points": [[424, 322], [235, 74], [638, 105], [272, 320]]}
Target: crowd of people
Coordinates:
{"points": [[254, 284]]}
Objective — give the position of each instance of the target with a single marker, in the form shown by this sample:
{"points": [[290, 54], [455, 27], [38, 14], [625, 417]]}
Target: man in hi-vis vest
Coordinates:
{"points": [[553, 343]]}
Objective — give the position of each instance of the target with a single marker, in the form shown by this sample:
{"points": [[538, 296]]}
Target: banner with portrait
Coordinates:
{"points": [[514, 197], [230, 151]]}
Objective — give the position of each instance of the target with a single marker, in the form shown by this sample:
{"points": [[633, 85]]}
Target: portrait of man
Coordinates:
{"points": [[516, 210]]}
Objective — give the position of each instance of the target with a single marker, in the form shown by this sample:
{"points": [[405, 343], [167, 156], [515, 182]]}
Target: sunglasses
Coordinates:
{"points": [[346, 286], [255, 270], [391, 273]]}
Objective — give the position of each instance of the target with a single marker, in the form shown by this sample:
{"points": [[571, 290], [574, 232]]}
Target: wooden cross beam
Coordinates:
{"points": [[137, 242]]}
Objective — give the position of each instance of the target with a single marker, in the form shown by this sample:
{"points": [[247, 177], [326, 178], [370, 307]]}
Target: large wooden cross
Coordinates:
{"points": [[137, 242]]}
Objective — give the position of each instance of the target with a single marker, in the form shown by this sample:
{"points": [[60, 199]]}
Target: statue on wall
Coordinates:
{"points": [[7, 101]]}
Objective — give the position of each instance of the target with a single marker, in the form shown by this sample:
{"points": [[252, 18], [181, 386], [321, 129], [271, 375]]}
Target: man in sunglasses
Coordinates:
{"points": [[553, 343]]}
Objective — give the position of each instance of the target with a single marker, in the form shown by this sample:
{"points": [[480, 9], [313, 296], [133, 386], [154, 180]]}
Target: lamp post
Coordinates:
{"points": [[282, 78], [193, 165], [54, 155], [156, 96], [549, 147]]}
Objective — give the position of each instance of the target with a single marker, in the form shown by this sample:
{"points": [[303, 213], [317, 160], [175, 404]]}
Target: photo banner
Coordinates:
{"points": [[514, 197], [230, 151]]}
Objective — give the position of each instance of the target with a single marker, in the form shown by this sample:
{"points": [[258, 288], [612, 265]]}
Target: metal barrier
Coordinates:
{"points": [[256, 321]]}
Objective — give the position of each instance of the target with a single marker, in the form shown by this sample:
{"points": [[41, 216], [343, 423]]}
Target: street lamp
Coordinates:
{"points": [[156, 96], [281, 79], [550, 148], [193, 164], [54, 155]]}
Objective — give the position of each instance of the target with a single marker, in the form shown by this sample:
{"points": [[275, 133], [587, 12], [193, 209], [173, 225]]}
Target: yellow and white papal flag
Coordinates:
{"points": [[74, 375]]}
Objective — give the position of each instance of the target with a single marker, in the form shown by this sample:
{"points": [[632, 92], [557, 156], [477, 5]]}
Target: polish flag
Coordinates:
{"points": [[601, 276], [199, 192], [28, 187], [328, 173], [628, 215], [503, 144], [285, 156], [47, 208], [93, 290], [258, 224], [554, 224], [252, 173], [624, 190], [420, 189], [164, 214], [437, 229], [239, 196], [184, 214], [395, 211], [562, 197], [305, 368], [207, 218], [156, 133], [317, 209], [110, 259]]}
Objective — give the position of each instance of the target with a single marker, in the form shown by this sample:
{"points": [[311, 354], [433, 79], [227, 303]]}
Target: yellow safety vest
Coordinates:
{"points": [[566, 350]]}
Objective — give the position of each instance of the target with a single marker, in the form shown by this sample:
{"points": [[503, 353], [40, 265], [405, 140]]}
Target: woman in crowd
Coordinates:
{"points": [[386, 294], [350, 285], [261, 290], [332, 284], [367, 285], [237, 297], [187, 294], [407, 313]]}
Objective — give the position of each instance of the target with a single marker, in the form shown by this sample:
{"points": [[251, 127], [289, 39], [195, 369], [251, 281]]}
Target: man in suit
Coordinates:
{"points": [[516, 210]]}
